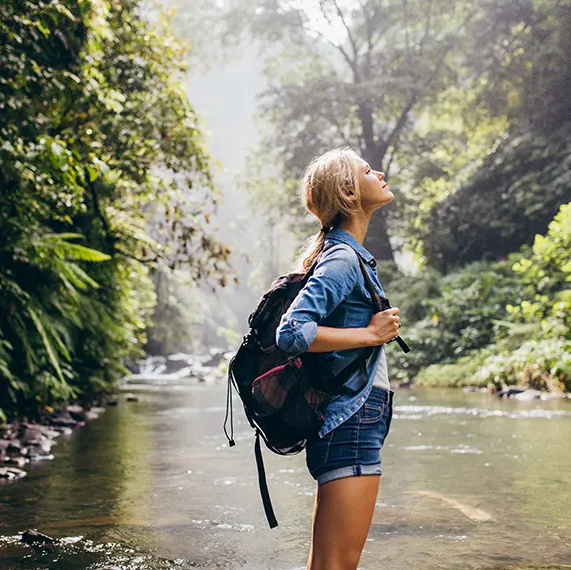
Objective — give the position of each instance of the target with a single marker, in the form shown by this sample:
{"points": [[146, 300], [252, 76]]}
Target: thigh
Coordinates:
{"points": [[343, 512]]}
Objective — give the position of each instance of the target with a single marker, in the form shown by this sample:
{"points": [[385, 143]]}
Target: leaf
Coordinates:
{"points": [[47, 345]]}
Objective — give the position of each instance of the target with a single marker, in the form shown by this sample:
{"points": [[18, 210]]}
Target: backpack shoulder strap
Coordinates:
{"points": [[380, 304]]}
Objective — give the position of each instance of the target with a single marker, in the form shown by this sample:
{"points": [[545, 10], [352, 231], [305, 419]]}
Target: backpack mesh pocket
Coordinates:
{"points": [[287, 407]]}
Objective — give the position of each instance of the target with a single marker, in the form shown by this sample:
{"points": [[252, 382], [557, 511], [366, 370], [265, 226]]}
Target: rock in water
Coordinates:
{"points": [[528, 395], [33, 537], [62, 419], [76, 412], [11, 473], [510, 392]]}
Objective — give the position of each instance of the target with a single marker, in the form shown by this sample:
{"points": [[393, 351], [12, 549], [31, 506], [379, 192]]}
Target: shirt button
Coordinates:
{"points": [[362, 399], [293, 322], [341, 418]]}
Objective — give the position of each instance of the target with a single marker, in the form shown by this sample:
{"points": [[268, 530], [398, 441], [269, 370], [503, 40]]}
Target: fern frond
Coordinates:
{"points": [[81, 276], [22, 331], [46, 342], [64, 249]]}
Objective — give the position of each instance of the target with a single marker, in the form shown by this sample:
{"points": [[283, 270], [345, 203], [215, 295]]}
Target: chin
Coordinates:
{"points": [[390, 198]]}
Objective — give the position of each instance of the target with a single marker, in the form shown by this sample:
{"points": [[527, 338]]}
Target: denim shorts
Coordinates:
{"points": [[354, 447]]}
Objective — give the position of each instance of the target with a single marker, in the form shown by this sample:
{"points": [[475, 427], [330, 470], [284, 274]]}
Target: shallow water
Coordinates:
{"points": [[469, 482]]}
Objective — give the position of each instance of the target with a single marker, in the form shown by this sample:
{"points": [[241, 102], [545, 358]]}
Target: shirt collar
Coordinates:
{"points": [[338, 235]]}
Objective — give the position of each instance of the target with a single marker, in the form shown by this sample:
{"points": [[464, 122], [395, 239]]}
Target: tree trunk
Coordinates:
{"points": [[377, 240]]}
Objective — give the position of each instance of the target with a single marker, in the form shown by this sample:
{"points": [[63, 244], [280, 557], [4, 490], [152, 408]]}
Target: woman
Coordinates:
{"points": [[333, 318]]}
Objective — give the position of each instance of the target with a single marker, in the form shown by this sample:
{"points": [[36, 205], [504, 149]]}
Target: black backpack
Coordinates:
{"points": [[283, 394]]}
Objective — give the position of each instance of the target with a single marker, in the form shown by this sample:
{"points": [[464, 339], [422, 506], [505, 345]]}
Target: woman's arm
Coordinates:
{"points": [[382, 328]]}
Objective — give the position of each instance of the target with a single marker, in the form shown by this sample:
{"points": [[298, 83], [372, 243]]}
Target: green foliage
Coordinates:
{"points": [[346, 73], [97, 142], [546, 274], [456, 375], [491, 165], [447, 317], [502, 323], [544, 364], [511, 197], [540, 364]]}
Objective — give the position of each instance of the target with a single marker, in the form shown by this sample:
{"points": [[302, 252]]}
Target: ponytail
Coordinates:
{"points": [[311, 249], [314, 245]]}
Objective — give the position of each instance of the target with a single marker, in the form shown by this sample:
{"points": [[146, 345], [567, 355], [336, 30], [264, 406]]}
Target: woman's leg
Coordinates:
{"points": [[343, 512]]}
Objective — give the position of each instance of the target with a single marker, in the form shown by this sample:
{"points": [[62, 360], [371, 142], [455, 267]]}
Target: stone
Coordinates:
{"points": [[32, 435], [14, 445], [215, 357], [34, 537], [131, 398], [18, 461], [90, 415], [76, 412], [131, 366], [48, 431], [62, 419], [152, 365], [11, 473], [63, 430], [176, 362], [40, 450], [510, 392], [528, 395]]}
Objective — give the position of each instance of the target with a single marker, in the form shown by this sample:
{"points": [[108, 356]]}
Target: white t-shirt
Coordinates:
{"points": [[381, 379]]}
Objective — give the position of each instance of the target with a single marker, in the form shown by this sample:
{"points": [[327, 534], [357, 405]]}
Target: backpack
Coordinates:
{"points": [[284, 395]]}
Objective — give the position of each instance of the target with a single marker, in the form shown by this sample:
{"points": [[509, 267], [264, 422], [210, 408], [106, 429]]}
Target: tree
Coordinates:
{"points": [[494, 165], [98, 140], [350, 73]]}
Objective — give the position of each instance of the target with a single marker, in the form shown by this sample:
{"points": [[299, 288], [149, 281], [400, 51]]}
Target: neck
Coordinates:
{"points": [[357, 226]]}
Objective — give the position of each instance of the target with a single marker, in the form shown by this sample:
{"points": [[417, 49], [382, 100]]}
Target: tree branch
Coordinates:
{"points": [[345, 55], [391, 140], [109, 238], [349, 34]]}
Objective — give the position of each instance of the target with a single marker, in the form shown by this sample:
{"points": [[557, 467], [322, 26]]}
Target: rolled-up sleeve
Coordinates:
{"points": [[332, 281]]}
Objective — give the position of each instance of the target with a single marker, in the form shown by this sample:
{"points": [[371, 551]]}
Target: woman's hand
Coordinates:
{"points": [[384, 326]]}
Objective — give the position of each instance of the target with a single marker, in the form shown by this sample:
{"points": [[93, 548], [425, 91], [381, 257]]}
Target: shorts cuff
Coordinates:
{"points": [[350, 471]]}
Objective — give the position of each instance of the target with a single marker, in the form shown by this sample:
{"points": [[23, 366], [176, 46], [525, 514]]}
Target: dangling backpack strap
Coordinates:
{"points": [[264, 491], [229, 407]]}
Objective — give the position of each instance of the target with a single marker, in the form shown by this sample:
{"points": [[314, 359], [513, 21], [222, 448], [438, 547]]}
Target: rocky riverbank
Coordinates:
{"points": [[25, 441], [522, 393]]}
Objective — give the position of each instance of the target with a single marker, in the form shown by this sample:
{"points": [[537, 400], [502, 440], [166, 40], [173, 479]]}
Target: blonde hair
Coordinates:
{"points": [[325, 191]]}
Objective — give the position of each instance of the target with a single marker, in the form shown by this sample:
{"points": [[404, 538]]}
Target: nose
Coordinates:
{"points": [[381, 175]]}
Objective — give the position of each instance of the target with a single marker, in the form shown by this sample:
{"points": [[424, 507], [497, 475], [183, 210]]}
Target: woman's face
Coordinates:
{"points": [[375, 192]]}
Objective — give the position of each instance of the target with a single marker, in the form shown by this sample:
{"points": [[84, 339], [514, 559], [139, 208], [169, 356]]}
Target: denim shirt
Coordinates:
{"points": [[335, 296]]}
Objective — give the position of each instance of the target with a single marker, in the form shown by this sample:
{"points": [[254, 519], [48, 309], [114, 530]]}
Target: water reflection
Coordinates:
{"points": [[469, 482]]}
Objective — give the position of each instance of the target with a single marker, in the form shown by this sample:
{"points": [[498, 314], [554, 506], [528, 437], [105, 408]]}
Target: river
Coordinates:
{"points": [[470, 482]]}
